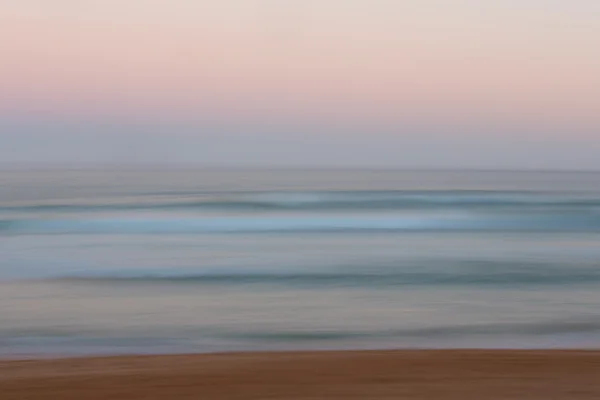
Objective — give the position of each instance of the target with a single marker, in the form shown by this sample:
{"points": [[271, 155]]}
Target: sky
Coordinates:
{"points": [[341, 83]]}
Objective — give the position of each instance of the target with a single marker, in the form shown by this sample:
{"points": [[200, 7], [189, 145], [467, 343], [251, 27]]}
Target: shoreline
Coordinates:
{"points": [[357, 374]]}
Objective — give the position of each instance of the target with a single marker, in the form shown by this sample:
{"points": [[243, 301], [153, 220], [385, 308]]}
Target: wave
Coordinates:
{"points": [[328, 201], [542, 328], [432, 335], [443, 222], [465, 276]]}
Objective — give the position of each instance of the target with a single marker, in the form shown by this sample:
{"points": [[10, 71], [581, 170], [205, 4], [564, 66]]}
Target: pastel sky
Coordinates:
{"points": [[381, 83]]}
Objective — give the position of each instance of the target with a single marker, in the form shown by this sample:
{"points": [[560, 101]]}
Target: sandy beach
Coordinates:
{"points": [[445, 374]]}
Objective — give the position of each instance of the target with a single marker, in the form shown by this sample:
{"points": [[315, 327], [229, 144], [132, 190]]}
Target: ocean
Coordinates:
{"points": [[140, 261]]}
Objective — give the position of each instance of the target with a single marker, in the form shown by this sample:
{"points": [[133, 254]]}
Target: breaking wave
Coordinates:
{"points": [[540, 328], [326, 201], [484, 222], [460, 274]]}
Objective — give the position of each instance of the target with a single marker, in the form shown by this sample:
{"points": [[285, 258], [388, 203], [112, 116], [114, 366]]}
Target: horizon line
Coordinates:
{"points": [[257, 168]]}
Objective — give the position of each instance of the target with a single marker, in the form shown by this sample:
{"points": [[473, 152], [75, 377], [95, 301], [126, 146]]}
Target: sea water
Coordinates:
{"points": [[194, 260]]}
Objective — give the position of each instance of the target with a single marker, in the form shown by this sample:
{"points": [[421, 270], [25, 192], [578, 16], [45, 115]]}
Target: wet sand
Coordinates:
{"points": [[418, 374]]}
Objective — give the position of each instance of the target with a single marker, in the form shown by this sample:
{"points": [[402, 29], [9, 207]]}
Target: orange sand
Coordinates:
{"points": [[419, 374]]}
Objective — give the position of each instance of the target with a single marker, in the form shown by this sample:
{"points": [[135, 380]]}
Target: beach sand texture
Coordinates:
{"points": [[411, 374]]}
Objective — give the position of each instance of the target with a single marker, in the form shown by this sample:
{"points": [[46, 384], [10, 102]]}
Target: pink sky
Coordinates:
{"points": [[375, 62], [260, 57]]}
